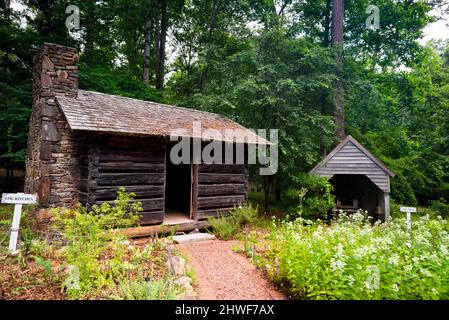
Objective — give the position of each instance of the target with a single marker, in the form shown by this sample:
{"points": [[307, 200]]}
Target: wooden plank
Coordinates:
{"points": [[352, 160], [219, 202], [221, 168], [152, 204], [151, 217], [355, 167], [214, 178], [129, 166], [125, 179], [204, 214], [142, 192], [149, 230], [221, 189], [156, 155], [135, 143], [147, 204], [350, 171]]}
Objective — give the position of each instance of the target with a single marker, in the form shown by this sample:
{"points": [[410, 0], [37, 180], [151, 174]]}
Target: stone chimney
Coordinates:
{"points": [[51, 166]]}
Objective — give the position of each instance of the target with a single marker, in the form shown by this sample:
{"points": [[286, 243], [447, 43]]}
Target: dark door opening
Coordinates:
{"points": [[355, 192], [177, 189]]}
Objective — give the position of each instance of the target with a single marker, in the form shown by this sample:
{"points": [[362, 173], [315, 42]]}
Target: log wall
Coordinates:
{"points": [[220, 188], [111, 162], [138, 164]]}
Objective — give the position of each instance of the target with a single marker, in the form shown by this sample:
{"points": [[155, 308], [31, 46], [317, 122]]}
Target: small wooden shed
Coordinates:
{"points": [[83, 146], [360, 180]]}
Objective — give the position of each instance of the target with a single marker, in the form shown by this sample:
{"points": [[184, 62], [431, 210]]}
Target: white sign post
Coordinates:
{"points": [[409, 211], [18, 199]]}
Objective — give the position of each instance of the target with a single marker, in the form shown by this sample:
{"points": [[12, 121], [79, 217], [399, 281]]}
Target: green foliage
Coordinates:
{"points": [[163, 289], [89, 236], [352, 259], [227, 226], [310, 197], [440, 207], [47, 266], [223, 227], [263, 66], [116, 82]]}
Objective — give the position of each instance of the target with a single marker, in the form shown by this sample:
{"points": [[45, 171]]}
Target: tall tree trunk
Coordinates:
{"points": [[327, 23], [160, 67], [146, 53], [8, 10], [277, 189], [213, 21], [90, 30], [266, 192], [157, 35], [8, 175], [337, 44], [324, 111]]}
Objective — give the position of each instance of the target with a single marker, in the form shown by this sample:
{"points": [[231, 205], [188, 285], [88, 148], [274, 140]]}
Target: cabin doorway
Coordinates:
{"points": [[177, 191]]}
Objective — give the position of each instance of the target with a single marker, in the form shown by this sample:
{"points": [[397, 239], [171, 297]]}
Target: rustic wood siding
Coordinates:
{"points": [[351, 160], [134, 163], [220, 188]]}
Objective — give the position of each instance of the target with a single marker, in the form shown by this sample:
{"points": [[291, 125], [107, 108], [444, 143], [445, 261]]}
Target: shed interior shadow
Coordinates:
{"points": [[356, 191]]}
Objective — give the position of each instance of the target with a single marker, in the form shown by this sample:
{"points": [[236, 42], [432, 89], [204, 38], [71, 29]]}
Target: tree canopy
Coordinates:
{"points": [[263, 63]]}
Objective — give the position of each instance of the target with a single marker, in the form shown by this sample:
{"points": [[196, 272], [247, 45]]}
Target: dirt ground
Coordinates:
{"points": [[223, 274]]}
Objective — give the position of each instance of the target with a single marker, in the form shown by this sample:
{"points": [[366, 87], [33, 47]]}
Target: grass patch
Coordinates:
{"points": [[227, 226]]}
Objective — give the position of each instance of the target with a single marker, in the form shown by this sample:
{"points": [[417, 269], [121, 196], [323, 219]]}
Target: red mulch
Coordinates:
{"points": [[20, 282]]}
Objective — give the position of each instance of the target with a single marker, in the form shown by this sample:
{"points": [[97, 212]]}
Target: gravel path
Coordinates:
{"points": [[225, 275]]}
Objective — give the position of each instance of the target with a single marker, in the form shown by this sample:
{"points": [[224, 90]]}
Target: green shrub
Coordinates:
{"points": [[162, 289], [227, 226], [47, 266], [89, 236], [440, 207], [352, 259], [246, 214], [310, 197], [224, 227]]}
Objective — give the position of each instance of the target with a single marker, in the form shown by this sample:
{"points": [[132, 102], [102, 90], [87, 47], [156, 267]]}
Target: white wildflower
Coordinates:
{"points": [[337, 265]]}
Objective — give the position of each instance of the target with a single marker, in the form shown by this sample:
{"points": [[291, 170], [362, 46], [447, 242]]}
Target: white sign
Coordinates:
{"points": [[18, 199], [409, 211]]}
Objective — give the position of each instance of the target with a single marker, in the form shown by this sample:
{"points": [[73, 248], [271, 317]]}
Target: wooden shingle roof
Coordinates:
{"points": [[92, 111], [350, 157]]}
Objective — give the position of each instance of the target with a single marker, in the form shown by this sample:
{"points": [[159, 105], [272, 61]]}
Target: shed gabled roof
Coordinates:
{"points": [[92, 111], [350, 157]]}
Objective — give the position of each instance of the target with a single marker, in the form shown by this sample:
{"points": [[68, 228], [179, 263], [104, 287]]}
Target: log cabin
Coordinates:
{"points": [[83, 146], [360, 180]]}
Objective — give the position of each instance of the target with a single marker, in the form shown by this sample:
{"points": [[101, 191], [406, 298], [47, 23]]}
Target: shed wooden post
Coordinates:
{"points": [[387, 206]]}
